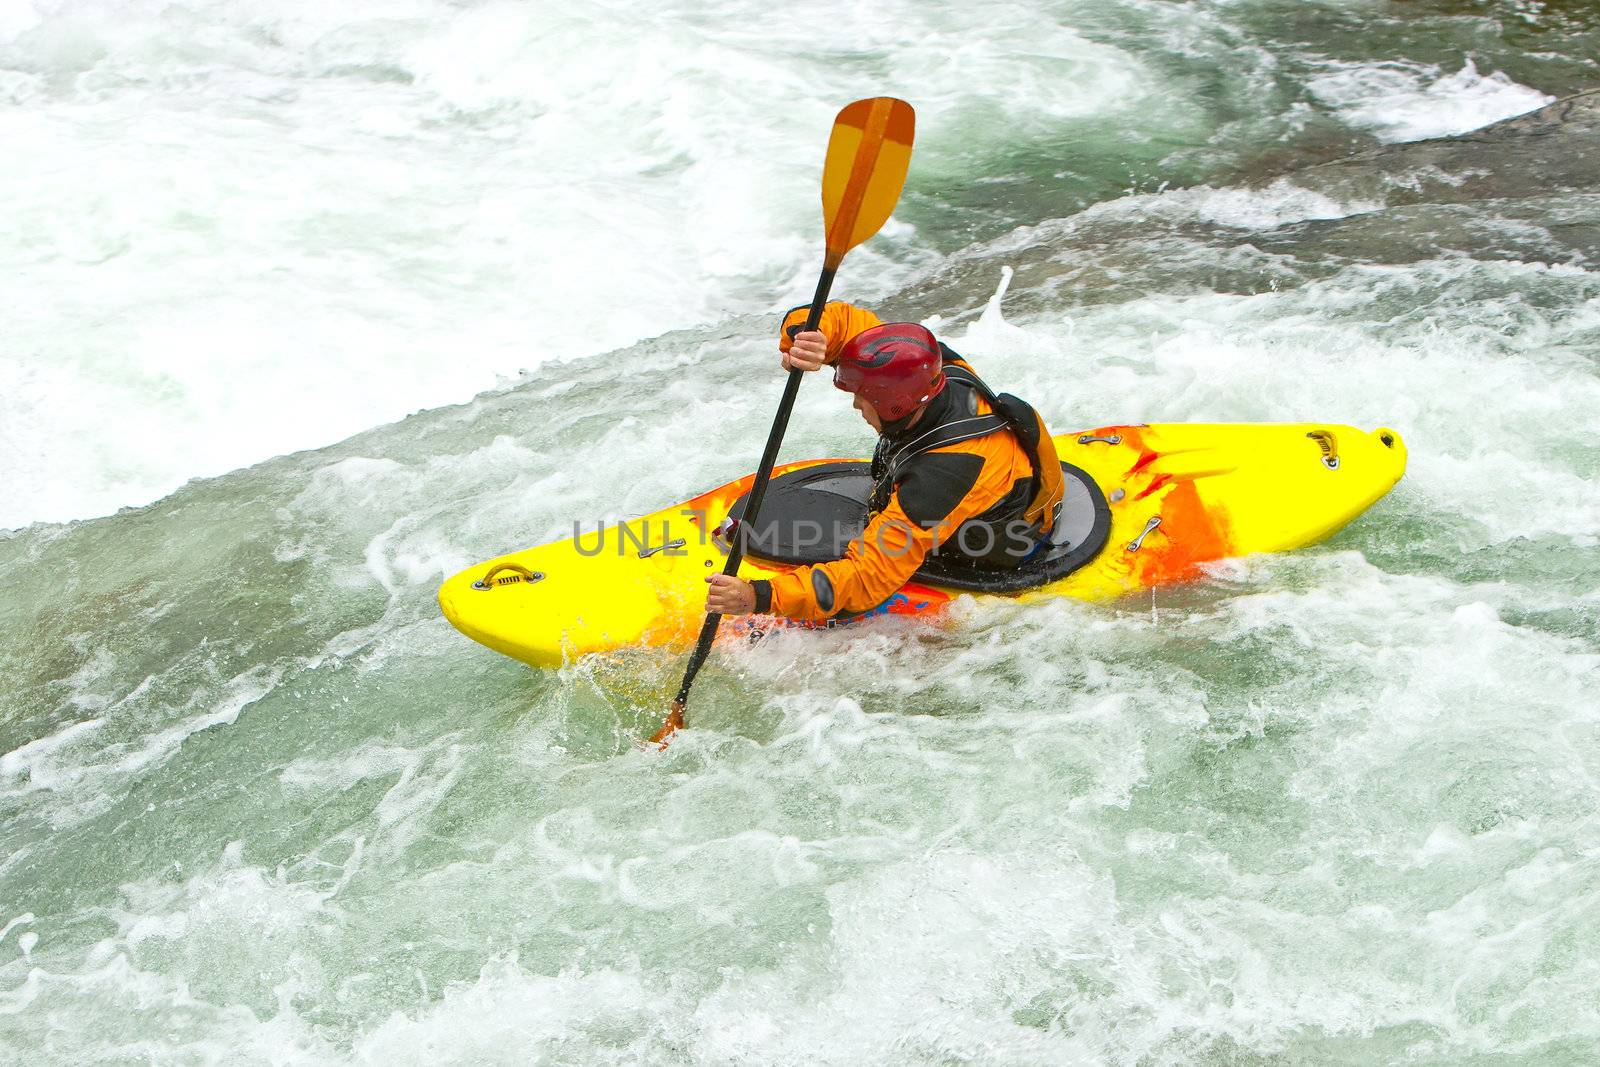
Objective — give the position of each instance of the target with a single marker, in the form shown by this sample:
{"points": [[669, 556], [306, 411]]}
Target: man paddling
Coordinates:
{"points": [[959, 472]]}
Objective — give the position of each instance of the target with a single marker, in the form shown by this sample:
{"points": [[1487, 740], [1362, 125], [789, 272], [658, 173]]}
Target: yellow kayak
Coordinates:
{"points": [[1146, 505]]}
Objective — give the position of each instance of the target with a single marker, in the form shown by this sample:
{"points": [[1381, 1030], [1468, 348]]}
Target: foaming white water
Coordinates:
{"points": [[579, 1011], [1404, 101], [1342, 350], [260, 804], [1277, 204], [322, 218], [1310, 804], [82, 764]]}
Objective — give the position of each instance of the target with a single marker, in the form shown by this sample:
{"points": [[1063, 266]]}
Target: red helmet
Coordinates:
{"points": [[896, 366]]}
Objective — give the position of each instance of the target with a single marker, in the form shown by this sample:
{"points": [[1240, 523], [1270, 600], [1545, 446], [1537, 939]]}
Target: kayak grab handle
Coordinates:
{"points": [[1155, 520], [1090, 438], [1330, 447], [646, 553], [519, 574]]}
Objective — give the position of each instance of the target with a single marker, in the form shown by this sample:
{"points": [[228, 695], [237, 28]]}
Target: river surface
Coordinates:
{"points": [[305, 306]]}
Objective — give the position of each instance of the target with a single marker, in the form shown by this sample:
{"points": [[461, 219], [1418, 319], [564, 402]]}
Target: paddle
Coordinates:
{"points": [[868, 153]]}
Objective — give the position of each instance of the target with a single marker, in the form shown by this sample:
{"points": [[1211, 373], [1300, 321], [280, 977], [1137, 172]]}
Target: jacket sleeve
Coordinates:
{"points": [[839, 323], [877, 563]]}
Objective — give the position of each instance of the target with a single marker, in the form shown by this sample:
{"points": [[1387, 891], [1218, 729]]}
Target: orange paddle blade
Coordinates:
{"points": [[868, 153], [673, 724]]}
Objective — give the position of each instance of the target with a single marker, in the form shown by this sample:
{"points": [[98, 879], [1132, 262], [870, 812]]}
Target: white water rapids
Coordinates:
{"points": [[333, 300]]}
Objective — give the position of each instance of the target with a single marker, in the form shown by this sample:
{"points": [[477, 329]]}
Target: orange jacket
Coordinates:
{"points": [[839, 323], [935, 493]]}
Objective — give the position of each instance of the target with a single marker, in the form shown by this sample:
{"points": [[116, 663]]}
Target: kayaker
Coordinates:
{"points": [[958, 470]]}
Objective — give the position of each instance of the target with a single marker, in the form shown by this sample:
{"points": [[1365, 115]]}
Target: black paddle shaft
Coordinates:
{"points": [[758, 489]]}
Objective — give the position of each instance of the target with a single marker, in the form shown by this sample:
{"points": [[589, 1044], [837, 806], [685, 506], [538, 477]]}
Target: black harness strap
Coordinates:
{"points": [[887, 464], [1017, 414], [1007, 413]]}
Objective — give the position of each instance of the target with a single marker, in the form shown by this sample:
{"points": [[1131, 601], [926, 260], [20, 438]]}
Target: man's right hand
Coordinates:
{"points": [[808, 352]]}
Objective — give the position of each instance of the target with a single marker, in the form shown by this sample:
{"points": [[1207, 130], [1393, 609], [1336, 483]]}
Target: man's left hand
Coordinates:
{"points": [[729, 596]]}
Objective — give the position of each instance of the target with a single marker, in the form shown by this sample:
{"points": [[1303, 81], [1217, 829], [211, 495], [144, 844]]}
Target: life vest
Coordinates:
{"points": [[1038, 502]]}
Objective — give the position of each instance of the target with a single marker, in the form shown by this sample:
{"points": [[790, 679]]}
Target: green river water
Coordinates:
{"points": [[260, 804]]}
